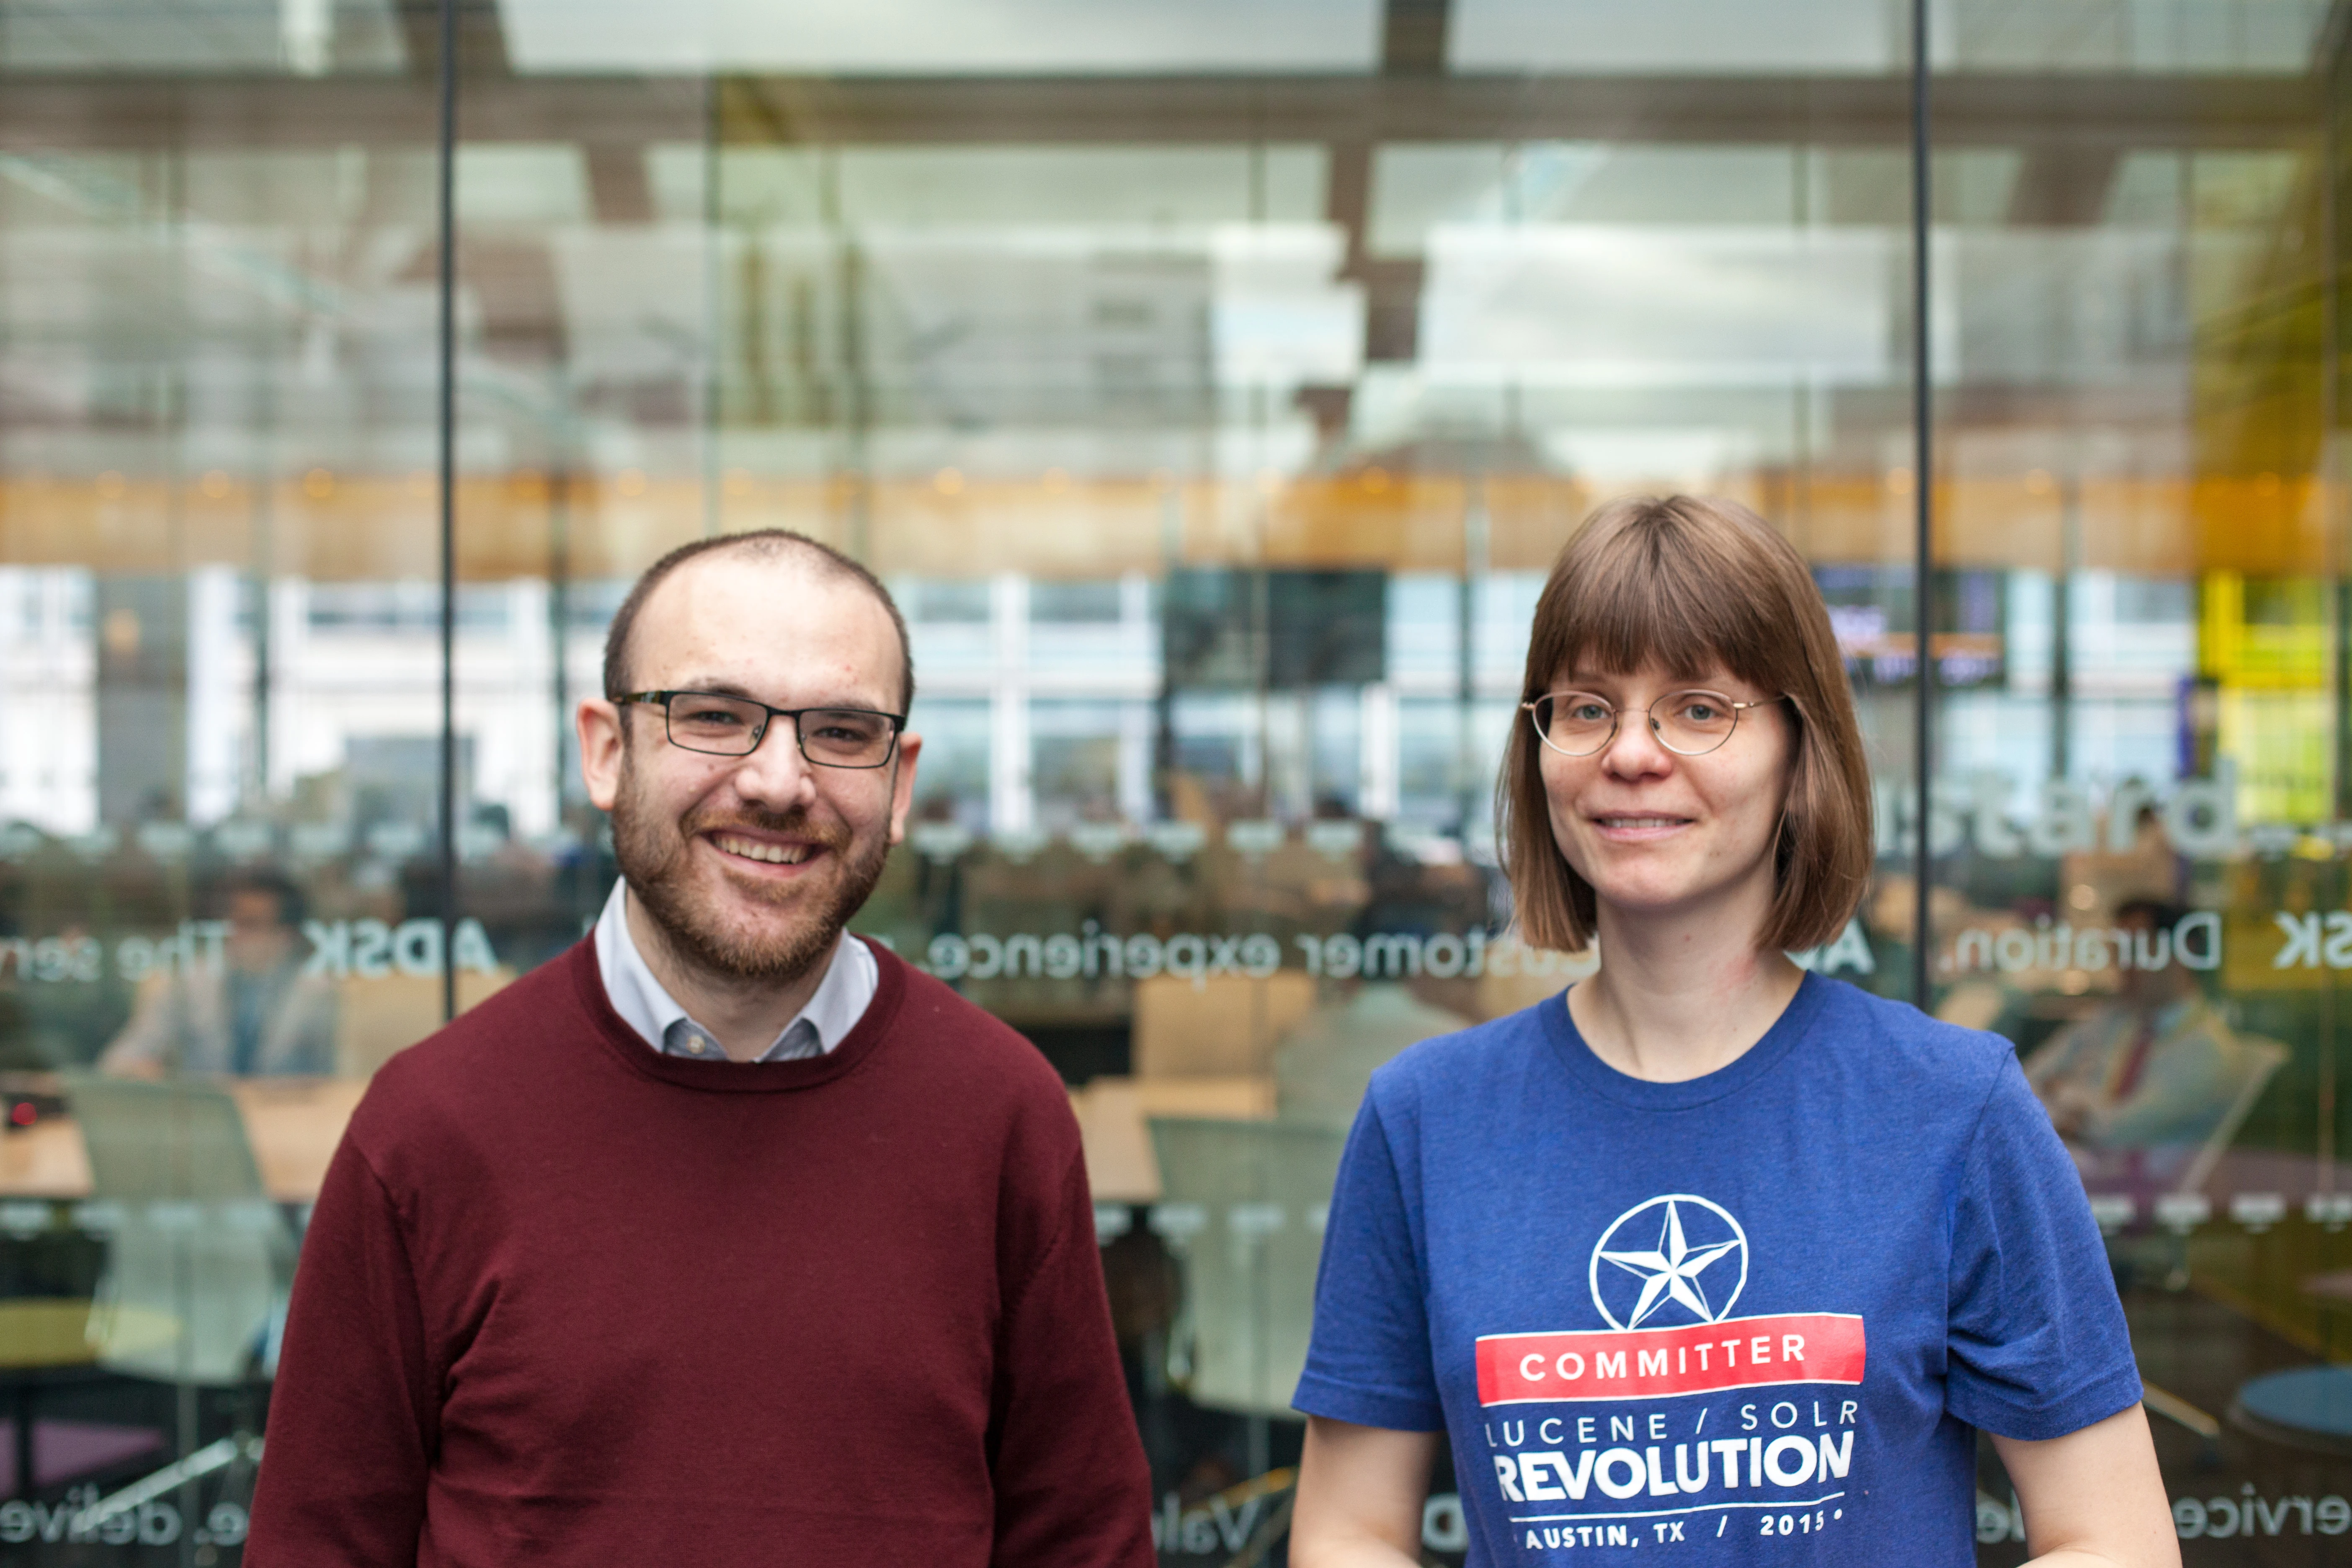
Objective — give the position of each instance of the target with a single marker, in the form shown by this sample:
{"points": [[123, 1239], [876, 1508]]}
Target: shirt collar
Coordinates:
{"points": [[644, 1004]]}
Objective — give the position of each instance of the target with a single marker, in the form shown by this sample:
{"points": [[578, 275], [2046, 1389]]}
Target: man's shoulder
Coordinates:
{"points": [[538, 1004], [466, 1066], [955, 1037]]}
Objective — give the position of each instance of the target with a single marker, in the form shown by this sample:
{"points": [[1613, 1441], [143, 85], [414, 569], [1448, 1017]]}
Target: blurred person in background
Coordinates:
{"points": [[2156, 1068], [253, 1014]]}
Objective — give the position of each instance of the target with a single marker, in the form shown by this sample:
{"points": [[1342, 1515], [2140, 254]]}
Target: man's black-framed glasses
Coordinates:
{"points": [[721, 726], [1687, 723]]}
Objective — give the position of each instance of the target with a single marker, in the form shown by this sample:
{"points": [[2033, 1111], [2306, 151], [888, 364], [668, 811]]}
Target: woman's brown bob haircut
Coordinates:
{"points": [[1694, 586]]}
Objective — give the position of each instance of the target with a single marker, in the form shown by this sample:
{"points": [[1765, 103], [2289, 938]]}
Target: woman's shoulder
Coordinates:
{"points": [[1466, 1059], [1880, 1037]]}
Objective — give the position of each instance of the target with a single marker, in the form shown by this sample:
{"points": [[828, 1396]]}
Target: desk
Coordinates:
{"points": [[1114, 1116], [293, 1124]]}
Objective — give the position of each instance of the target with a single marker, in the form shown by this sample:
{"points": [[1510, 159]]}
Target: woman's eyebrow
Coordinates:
{"points": [[1607, 685], [1601, 685]]}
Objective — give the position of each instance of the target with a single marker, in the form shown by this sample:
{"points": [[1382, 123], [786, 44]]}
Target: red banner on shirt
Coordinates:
{"points": [[1697, 1358]]}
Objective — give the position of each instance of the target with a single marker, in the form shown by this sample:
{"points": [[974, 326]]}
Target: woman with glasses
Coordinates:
{"points": [[1709, 1253]]}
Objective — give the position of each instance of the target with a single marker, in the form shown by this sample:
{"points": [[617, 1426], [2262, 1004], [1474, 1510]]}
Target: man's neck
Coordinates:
{"points": [[745, 1016], [1676, 999]]}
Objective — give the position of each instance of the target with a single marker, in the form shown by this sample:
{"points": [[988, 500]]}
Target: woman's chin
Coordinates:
{"points": [[1647, 901]]}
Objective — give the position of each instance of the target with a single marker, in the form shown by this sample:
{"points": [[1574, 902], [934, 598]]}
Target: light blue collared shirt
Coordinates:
{"points": [[851, 977]]}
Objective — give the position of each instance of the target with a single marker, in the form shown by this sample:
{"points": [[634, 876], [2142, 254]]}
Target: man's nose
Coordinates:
{"points": [[775, 772]]}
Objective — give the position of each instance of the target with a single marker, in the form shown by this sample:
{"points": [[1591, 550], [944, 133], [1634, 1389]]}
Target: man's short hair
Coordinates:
{"points": [[765, 544], [292, 906], [1690, 585], [2161, 914]]}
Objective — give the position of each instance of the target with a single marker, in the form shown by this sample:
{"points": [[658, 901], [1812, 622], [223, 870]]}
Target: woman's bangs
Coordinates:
{"points": [[1642, 607]]}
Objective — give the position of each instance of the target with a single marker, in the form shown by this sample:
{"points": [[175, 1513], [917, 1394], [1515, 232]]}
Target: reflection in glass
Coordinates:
{"points": [[1213, 387]]}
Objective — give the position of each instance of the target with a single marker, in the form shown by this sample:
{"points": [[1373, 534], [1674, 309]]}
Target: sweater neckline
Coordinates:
{"points": [[732, 1077]]}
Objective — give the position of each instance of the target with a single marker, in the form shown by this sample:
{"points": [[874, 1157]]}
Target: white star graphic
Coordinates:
{"points": [[1672, 1270]]}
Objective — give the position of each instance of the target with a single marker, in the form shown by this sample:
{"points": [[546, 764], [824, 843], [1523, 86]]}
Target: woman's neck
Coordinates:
{"points": [[1679, 997]]}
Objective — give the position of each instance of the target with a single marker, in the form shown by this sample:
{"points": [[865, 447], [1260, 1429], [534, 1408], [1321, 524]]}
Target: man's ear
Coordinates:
{"points": [[902, 785], [603, 744]]}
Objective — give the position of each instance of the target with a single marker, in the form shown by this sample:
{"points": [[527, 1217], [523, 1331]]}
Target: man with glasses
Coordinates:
{"points": [[725, 1237]]}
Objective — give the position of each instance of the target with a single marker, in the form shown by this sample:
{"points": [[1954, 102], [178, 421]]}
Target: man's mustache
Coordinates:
{"points": [[797, 823]]}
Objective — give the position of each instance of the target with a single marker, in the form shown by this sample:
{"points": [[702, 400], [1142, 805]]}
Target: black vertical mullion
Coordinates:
{"points": [[1923, 512], [447, 438]]}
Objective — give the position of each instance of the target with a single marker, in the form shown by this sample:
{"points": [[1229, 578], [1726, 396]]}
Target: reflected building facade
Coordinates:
{"points": [[1213, 384]]}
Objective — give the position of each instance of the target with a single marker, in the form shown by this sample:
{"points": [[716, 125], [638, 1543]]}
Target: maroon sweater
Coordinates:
{"points": [[567, 1300]]}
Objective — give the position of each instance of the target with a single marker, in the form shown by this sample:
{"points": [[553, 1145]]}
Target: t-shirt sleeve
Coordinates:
{"points": [[1368, 1360], [2036, 1334]]}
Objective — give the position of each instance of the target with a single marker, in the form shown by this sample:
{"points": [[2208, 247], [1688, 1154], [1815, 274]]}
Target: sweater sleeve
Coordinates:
{"points": [[1073, 1488], [353, 1418]]}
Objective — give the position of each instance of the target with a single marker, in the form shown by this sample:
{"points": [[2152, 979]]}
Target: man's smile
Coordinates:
{"points": [[767, 851]]}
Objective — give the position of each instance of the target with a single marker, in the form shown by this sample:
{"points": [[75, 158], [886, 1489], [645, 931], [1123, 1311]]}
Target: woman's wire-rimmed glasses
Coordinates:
{"points": [[1687, 723], [722, 726]]}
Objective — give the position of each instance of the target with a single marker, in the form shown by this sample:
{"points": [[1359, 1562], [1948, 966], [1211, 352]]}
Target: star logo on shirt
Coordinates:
{"points": [[1648, 1263]]}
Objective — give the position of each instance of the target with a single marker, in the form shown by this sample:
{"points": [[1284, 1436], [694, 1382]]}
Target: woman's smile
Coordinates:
{"points": [[1638, 827]]}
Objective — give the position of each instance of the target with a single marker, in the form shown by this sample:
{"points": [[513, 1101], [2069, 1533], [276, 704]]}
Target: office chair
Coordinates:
{"points": [[200, 1258], [1243, 1203]]}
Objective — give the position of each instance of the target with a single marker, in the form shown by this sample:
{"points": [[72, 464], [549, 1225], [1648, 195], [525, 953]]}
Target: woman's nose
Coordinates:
{"points": [[1635, 746]]}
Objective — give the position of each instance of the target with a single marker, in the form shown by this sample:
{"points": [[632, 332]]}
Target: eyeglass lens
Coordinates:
{"points": [[1689, 724], [834, 737]]}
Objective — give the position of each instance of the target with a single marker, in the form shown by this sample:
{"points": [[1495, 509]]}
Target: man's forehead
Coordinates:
{"points": [[745, 618], [719, 570]]}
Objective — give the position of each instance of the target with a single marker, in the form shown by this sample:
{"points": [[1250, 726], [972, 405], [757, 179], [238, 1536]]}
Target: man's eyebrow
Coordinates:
{"points": [[716, 687]]}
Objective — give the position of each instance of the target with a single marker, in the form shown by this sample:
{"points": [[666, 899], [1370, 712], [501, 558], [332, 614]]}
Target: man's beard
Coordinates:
{"points": [[654, 861]]}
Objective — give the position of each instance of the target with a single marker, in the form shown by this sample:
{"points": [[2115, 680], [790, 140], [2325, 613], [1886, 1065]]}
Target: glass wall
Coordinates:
{"points": [[1213, 384], [2140, 523]]}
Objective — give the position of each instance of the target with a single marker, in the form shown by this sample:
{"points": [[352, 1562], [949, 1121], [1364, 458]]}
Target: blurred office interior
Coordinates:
{"points": [[1214, 383]]}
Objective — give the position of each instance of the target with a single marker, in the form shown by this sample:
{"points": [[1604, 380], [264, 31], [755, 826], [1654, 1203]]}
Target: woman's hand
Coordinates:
{"points": [[1360, 1490], [2093, 1497]]}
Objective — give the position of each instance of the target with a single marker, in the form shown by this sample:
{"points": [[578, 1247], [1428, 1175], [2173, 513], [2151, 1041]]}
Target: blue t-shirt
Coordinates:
{"points": [[1769, 1302]]}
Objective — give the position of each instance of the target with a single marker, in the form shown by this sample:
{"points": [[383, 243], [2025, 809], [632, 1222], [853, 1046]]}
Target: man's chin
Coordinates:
{"points": [[748, 901], [766, 914], [762, 951]]}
